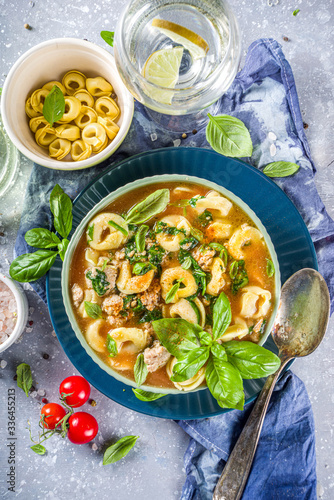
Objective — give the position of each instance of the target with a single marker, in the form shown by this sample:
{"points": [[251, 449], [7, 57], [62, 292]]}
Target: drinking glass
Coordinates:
{"points": [[201, 80]]}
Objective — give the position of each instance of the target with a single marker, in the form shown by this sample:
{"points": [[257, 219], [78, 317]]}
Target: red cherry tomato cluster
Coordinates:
{"points": [[80, 427]]}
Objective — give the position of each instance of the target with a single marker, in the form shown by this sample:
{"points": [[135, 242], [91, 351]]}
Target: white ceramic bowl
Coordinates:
{"points": [[22, 311], [50, 61], [142, 183]]}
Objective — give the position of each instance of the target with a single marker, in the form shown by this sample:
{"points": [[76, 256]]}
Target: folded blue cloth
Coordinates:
{"points": [[264, 97]]}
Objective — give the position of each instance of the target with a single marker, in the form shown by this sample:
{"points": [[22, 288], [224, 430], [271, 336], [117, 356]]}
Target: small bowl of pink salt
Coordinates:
{"points": [[13, 312]]}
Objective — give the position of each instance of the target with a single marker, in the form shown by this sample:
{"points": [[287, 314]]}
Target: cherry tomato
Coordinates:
{"points": [[83, 427], [53, 413], [78, 389]]}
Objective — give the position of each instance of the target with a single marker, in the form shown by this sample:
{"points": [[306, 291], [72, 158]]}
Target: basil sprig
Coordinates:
{"points": [[32, 266], [38, 448], [140, 370], [154, 204], [24, 377], [280, 169], [108, 37], [226, 364], [111, 346], [172, 292], [118, 450], [147, 396], [229, 136], [54, 105], [93, 310]]}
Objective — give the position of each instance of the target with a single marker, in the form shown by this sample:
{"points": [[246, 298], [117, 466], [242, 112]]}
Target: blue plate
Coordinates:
{"points": [[283, 222]]}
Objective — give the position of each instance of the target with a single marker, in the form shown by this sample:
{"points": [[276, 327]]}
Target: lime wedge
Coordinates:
{"points": [[162, 69], [196, 45]]}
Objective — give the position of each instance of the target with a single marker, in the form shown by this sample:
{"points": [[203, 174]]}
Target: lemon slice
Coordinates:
{"points": [[196, 45], [162, 68]]}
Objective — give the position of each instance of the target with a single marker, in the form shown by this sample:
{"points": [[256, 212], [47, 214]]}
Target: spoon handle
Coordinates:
{"points": [[234, 477]]}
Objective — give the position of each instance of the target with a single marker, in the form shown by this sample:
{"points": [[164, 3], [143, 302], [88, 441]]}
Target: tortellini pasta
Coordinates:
{"points": [[93, 337], [192, 311], [59, 148], [255, 302], [171, 275], [238, 330], [217, 282], [169, 242], [99, 240], [214, 201], [128, 284], [218, 230], [135, 336], [89, 296], [243, 236], [89, 119], [187, 385]]}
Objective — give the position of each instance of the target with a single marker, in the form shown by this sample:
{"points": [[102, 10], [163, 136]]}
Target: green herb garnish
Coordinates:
{"points": [[270, 268], [100, 283], [111, 346], [24, 377], [280, 169], [229, 136], [140, 370], [238, 275], [205, 218], [54, 105], [118, 227], [93, 310], [118, 450], [295, 12], [108, 37]]}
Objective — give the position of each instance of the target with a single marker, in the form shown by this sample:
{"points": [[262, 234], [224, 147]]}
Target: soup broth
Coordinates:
{"points": [[123, 276]]}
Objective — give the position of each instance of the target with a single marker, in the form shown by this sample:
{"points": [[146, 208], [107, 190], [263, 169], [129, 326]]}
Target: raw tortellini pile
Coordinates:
{"points": [[88, 124]]}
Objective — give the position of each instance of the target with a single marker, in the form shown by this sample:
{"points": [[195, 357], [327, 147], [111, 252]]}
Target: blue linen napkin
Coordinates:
{"points": [[264, 97]]}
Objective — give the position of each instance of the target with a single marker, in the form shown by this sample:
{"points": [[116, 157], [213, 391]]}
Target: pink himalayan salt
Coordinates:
{"points": [[8, 312]]}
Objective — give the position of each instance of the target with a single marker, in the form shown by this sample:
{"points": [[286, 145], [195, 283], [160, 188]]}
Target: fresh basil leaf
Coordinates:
{"points": [[218, 351], [24, 377], [39, 449], [188, 366], [90, 233], [141, 268], [108, 37], [252, 360], [196, 233], [32, 266], [111, 346], [118, 450], [233, 269], [225, 383], [140, 370], [205, 218], [238, 275], [104, 265], [99, 282], [146, 395], [172, 292], [140, 238], [228, 136], [62, 247], [93, 310], [177, 335], [223, 254], [54, 105], [41, 238], [295, 12], [270, 268], [222, 316], [187, 263], [179, 203], [118, 227], [61, 207], [205, 338], [154, 204], [280, 169]]}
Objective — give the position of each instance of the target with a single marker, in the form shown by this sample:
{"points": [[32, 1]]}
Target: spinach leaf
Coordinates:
{"points": [[108, 37], [149, 316], [205, 218], [24, 377], [147, 396], [228, 136], [270, 268], [111, 346], [118, 227], [188, 366], [62, 247], [140, 370], [154, 204], [218, 351], [99, 282], [280, 169], [196, 233], [156, 254], [131, 252], [222, 315], [252, 360], [178, 336], [32, 266], [239, 275], [194, 200], [54, 106], [225, 383], [188, 243], [223, 254], [118, 450], [93, 310], [39, 449], [41, 238], [172, 292], [141, 268], [61, 207], [163, 227], [140, 238]]}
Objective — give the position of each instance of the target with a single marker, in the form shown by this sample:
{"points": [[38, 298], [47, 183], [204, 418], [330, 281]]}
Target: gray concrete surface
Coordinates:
{"points": [[155, 469]]}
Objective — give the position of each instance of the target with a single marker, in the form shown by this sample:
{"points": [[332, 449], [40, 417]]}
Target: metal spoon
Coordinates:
{"points": [[299, 327]]}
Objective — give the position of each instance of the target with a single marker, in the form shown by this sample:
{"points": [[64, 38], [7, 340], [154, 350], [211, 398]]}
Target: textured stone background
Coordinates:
{"points": [[155, 468]]}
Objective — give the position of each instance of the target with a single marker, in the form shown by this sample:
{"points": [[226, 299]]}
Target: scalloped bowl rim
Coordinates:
{"points": [[146, 181]]}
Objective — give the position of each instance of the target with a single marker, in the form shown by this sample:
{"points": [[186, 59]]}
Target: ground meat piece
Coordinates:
{"points": [[77, 295], [116, 321], [111, 275], [204, 258], [151, 297], [112, 305], [148, 328], [156, 356]]}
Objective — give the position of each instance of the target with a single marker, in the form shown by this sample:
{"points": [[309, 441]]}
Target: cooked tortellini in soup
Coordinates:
{"points": [[128, 277], [88, 122]]}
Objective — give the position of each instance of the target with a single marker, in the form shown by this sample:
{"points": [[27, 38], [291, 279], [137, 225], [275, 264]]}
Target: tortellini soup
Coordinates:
{"points": [[125, 275]]}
